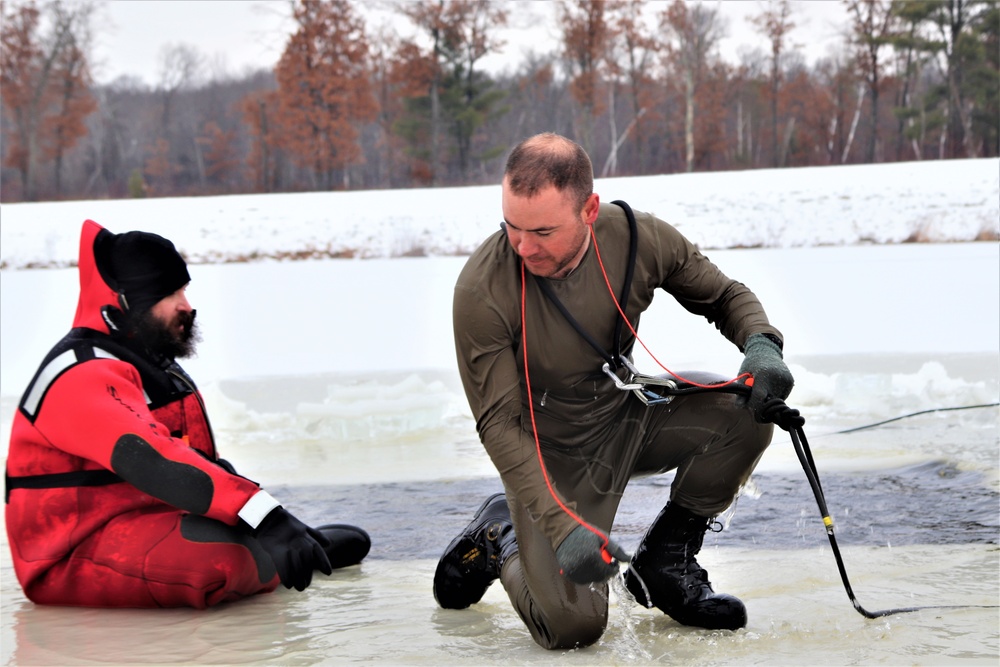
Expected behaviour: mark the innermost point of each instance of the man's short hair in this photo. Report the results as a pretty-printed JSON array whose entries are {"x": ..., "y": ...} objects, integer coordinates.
[{"x": 550, "y": 159}]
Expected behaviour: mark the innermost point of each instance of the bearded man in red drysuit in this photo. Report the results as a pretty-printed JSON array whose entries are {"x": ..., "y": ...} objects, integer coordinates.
[{"x": 115, "y": 494}]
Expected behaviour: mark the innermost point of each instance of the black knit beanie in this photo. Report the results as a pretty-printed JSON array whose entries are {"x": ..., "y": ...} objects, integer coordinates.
[{"x": 147, "y": 268}]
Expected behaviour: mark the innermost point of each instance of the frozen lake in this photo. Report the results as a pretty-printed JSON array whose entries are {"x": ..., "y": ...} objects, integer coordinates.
[{"x": 332, "y": 382}]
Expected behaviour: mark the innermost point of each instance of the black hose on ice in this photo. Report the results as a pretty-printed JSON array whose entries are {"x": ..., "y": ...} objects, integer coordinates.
[
  {"x": 914, "y": 414},
  {"x": 777, "y": 412},
  {"x": 790, "y": 420}
]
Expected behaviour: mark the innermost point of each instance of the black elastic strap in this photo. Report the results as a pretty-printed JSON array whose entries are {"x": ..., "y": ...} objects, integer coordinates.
[
  {"x": 543, "y": 284},
  {"x": 59, "y": 480},
  {"x": 633, "y": 249}
]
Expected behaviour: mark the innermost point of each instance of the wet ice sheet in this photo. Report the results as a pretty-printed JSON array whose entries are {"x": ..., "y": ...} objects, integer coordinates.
[
  {"x": 414, "y": 490},
  {"x": 383, "y": 613}
]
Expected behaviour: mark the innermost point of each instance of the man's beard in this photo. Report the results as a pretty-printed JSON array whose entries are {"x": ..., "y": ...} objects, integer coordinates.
[{"x": 160, "y": 340}]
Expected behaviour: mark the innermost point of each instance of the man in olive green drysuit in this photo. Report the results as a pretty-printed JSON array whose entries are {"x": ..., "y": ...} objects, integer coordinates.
[{"x": 593, "y": 436}]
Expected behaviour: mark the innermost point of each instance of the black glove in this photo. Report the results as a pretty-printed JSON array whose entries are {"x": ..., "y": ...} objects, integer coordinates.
[
  {"x": 582, "y": 560},
  {"x": 771, "y": 378},
  {"x": 295, "y": 548}
]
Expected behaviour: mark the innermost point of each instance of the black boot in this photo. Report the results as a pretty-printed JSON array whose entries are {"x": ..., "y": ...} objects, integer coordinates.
[
  {"x": 348, "y": 544},
  {"x": 473, "y": 559},
  {"x": 664, "y": 573}
]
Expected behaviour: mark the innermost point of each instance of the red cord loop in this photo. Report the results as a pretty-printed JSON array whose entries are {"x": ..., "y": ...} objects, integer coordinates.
[
  {"x": 534, "y": 430},
  {"x": 531, "y": 405},
  {"x": 621, "y": 312}
]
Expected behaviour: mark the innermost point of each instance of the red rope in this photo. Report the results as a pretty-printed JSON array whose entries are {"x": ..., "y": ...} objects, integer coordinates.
[
  {"x": 531, "y": 404},
  {"x": 621, "y": 312},
  {"x": 534, "y": 430}
]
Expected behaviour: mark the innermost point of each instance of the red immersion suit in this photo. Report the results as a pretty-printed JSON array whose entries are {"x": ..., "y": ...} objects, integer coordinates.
[{"x": 115, "y": 495}]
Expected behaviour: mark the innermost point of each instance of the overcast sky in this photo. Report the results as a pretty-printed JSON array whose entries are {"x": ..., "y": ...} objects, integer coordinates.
[{"x": 237, "y": 35}]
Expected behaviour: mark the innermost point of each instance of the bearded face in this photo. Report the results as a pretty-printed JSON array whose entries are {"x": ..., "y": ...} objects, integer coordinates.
[{"x": 173, "y": 336}]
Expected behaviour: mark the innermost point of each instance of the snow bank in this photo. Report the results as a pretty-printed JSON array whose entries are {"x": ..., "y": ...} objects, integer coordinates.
[{"x": 939, "y": 201}]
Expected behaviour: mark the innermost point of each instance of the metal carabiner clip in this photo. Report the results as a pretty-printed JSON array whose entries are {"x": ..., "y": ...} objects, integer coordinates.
[
  {"x": 624, "y": 386},
  {"x": 639, "y": 387}
]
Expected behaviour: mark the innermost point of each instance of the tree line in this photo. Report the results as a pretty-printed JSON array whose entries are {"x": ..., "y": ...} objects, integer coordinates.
[{"x": 641, "y": 85}]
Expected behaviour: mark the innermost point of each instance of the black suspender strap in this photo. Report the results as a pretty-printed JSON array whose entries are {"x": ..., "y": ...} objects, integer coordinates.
[
  {"x": 543, "y": 284},
  {"x": 59, "y": 480},
  {"x": 633, "y": 248}
]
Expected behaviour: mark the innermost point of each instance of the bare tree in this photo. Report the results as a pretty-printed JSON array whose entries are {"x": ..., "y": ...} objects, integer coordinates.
[
  {"x": 774, "y": 22},
  {"x": 71, "y": 82},
  {"x": 696, "y": 30},
  {"x": 630, "y": 59},
  {"x": 45, "y": 83},
  {"x": 179, "y": 71},
  {"x": 872, "y": 29},
  {"x": 952, "y": 18},
  {"x": 587, "y": 39}
]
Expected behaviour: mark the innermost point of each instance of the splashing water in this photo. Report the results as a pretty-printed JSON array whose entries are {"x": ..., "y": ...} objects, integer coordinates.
[{"x": 625, "y": 640}]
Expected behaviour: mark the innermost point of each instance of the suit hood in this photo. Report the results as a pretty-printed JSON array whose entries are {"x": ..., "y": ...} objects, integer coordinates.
[{"x": 97, "y": 288}]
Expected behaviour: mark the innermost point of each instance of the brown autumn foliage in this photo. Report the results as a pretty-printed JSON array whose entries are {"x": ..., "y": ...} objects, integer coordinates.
[
  {"x": 46, "y": 88},
  {"x": 222, "y": 160},
  {"x": 72, "y": 102},
  {"x": 448, "y": 100},
  {"x": 710, "y": 131},
  {"x": 159, "y": 169},
  {"x": 391, "y": 87},
  {"x": 635, "y": 57},
  {"x": 260, "y": 110},
  {"x": 587, "y": 38},
  {"x": 695, "y": 34},
  {"x": 324, "y": 89},
  {"x": 20, "y": 60},
  {"x": 417, "y": 73},
  {"x": 344, "y": 108},
  {"x": 809, "y": 112}
]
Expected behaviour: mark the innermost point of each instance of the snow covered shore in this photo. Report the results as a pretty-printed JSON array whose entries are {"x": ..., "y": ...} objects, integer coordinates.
[{"x": 940, "y": 201}]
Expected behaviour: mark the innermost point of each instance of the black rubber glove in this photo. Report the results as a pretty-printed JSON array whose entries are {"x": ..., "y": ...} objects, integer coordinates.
[
  {"x": 771, "y": 377},
  {"x": 581, "y": 558},
  {"x": 295, "y": 548}
]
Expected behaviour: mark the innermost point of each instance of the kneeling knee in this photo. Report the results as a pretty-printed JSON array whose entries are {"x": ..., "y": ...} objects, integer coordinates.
[{"x": 574, "y": 631}]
